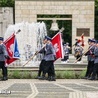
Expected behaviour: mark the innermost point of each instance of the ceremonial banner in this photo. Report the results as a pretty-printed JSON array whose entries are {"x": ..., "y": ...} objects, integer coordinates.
[
  {"x": 57, "y": 43},
  {"x": 81, "y": 40},
  {"x": 12, "y": 49}
]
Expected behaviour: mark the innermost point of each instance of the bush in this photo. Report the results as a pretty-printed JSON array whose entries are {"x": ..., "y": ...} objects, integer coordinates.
[
  {"x": 7, "y": 3},
  {"x": 18, "y": 74},
  {"x": 65, "y": 74}
]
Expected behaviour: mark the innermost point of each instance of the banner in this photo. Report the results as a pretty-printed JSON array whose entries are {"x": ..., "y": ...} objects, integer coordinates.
[
  {"x": 81, "y": 40},
  {"x": 12, "y": 49},
  {"x": 57, "y": 43}
]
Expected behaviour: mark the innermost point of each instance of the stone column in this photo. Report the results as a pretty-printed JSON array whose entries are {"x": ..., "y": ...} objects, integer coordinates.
[{"x": 6, "y": 18}]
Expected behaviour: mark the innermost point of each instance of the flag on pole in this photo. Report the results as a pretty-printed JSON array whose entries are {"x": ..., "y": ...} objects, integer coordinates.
[
  {"x": 57, "y": 43},
  {"x": 12, "y": 49},
  {"x": 81, "y": 40}
]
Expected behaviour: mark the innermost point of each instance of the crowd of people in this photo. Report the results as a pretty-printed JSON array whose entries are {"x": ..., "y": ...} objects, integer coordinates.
[
  {"x": 46, "y": 67},
  {"x": 92, "y": 54},
  {"x": 78, "y": 51}
]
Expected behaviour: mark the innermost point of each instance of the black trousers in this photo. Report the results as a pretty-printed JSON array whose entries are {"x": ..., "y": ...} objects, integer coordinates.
[
  {"x": 49, "y": 68},
  {"x": 41, "y": 67},
  {"x": 95, "y": 71},
  {"x": 4, "y": 69},
  {"x": 79, "y": 57},
  {"x": 65, "y": 58},
  {"x": 90, "y": 68}
]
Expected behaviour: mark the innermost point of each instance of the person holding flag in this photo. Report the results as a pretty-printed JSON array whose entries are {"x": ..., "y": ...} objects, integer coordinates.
[
  {"x": 3, "y": 57},
  {"x": 49, "y": 58}
]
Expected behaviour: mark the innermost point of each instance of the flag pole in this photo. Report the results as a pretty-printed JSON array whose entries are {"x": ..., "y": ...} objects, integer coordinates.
[
  {"x": 39, "y": 50},
  {"x": 82, "y": 55},
  {"x": 75, "y": 43},
  {"x": 61, "y": 30},
  {"x": 29, "y": 59},
  {"x": 32, "y": 57},
  {"x": 18, "y": 31},
  {"x": 12, "y": 36}
]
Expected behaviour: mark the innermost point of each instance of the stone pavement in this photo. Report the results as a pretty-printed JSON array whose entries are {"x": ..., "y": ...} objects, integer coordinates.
[{"x": 62, "y": 88}]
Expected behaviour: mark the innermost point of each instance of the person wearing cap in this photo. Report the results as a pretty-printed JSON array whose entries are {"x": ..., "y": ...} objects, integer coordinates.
[
  {"x": 76, "y": 42},
  {"x": 95, "y": 66},
  {"x": 66, "y": 49},
  {"x": 90, "y": 57},
  {"x": 50, "y": 56},
  {"x": 3, "y": 57}
]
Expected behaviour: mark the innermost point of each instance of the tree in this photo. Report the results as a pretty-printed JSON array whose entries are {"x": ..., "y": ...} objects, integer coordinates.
[
  {"x": 66, "y": 34},
  {"x": 7, "y": 3}
]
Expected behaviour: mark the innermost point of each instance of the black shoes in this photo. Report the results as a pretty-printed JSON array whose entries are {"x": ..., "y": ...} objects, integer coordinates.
[
  {"x": 52, "y": 79},
  {"x": 91, "y": 78},
  {"x": 49, "y": 78},
  {"x": 4, "y": 79},
  {"x": 86, "y": 77},
  {"x": 42, "y": 78},
  {"x": 38, "y": 77}
]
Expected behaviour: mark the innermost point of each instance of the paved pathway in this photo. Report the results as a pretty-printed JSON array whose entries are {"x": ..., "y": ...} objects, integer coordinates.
[{"x": 62, "y": 88}]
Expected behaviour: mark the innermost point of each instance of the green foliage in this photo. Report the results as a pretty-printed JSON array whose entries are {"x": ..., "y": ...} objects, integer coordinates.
[
  {"x": 7, "y": 3},
  {"x": 82, "y": 74},
  {"x": 96, "y": 19},
  {"x": 67, "y": 24},
  {"x": 18, "y": 74},
  {"x": 65, "y": 75}
]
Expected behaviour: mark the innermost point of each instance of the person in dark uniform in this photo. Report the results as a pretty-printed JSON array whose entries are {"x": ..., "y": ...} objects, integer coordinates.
[
  {"x": 90, "y": 55},
  {"x": 3, "y": 57},
  {"x": 95, "y": 68},
  {"x": 41, "y": 66},
  {"x": 66, "y": 50},
  {"x": 50, "y": 56}
]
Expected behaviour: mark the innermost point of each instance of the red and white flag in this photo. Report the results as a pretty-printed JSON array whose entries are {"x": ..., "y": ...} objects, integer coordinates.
[
  {"x": 57, "y": 43},
  {"x": 12, "y": 49},
  {"x": 81, "y": 40}
]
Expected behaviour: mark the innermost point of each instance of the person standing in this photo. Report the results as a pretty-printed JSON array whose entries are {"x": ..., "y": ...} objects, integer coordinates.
[
  {"x": 3, "y": 57},
  {"x": 91, "y": 58},
  {"x": 50, "y": 56},
  {"x": 42, "y": 64},
  {"x": 95, "y": 65},
  {"x": 66, "y": 50}
]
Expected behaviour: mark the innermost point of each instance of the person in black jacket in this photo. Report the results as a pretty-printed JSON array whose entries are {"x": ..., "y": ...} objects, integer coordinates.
[{"x": 3, "y": 57}]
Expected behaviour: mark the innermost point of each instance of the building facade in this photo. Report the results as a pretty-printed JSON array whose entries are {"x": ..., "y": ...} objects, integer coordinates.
[{"x": 82, "y": 12}]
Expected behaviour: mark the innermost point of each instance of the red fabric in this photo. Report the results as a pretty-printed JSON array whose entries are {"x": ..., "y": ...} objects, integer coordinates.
[
  {"x": 81, "y": 40},
  {"x": 57, "y": 43},
  {"x": 9, "y": 43}
]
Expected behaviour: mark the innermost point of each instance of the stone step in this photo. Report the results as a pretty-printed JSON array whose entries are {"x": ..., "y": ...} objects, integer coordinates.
[
  {"x": 70, "y": 65},
  {"x": 36, "y": 69},
  {"x": 32, "y": 63},
  {"x": 72, "y": 60}
]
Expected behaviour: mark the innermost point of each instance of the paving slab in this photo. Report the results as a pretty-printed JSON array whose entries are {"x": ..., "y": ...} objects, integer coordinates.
[{"x": 61, "y": 88}]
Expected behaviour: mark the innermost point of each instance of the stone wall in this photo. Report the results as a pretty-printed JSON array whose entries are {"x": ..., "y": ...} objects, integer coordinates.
[
  {"x": 6, "y": 18},
  {"x": 82, "y": 12}
]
